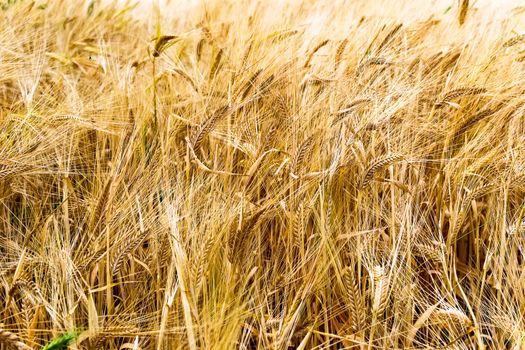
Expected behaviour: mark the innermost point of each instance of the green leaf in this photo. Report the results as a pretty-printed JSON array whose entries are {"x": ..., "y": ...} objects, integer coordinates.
[
  {"x": 91, "y": 7},
  {"x": 61, "y": 342}
]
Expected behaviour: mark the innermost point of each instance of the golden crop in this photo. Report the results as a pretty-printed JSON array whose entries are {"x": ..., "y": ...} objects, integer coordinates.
[{"x": 262, "y": 175}]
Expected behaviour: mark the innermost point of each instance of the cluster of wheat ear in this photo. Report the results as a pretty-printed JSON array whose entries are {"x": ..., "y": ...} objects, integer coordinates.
[{"x": 249, "y": 174}]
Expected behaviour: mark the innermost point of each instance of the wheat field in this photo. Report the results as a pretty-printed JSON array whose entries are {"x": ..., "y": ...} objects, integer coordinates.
[{"x": 252, "y": 174}]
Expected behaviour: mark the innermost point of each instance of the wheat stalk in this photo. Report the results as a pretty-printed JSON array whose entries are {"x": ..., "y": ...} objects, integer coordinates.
[
  {"x": 314, "y": 50},
  {"x": 355, "y": 299},
  {"x": 216, "y": 63},
  {"x": 378, "y": 164},
  {"x": 303, "y": 153},
  {"x": 389, "y": 37},
  {"x": 381, "y": 286},
  {"x": 343, "y": 113},
  {"x": 208, "y": 126},
  {"x": 127, "y": 247},
  {"x": 460, "y": 92},
  {"x": 515, "y": 40},
  {"x": 463, "y": 11},
  {"x": 339, "y": 53}
]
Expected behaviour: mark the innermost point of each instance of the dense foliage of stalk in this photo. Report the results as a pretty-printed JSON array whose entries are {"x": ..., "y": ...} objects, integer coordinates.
[{"x": 262, "y": 175}]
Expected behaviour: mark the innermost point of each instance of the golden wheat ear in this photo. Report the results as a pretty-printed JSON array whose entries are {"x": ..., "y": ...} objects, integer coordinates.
[
  {"x": 463, "y": 9},
  {"x": 12, "y": 339},
  {"x": 353, "y": 292},
  {"x": 378, "y": 164}
]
